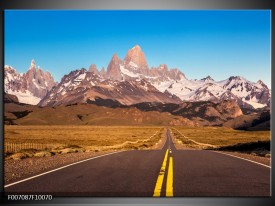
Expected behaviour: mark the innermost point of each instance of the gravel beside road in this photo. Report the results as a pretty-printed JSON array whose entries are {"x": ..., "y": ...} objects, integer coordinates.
[
  {"x": 20, "y": 169},
  {"x": 255, "y": 157},
  {"x": 16, "y": 170}
]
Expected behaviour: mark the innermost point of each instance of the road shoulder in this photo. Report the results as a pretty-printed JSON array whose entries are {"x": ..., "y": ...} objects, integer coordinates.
[{"x": 20, "y": 169}]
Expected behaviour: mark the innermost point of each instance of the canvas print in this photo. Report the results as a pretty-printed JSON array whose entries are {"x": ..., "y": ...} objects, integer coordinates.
[{"x": 137, "y": 103}]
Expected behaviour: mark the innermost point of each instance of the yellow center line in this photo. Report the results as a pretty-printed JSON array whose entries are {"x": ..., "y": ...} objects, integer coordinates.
[
  {"x": 169, "y": 182},
  {"x": 160, "y": 177}
]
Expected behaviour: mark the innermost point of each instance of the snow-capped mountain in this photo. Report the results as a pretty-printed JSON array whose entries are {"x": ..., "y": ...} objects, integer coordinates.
[
  {"x": 131, "y": 81},
  {"x": 83, "y": 86},
  {"x": 173, "y": 81},
  {"x": 237, "y": 88},
  {"x": 134, "y": 66},
  {"x": 29, "y": 87}
]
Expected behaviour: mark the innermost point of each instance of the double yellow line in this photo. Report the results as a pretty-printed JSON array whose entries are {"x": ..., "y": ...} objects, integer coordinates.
[{"x": 169, "y": 181}]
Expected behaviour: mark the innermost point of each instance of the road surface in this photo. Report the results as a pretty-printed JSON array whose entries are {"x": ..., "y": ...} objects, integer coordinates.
[{"x": 146, "y": 173}]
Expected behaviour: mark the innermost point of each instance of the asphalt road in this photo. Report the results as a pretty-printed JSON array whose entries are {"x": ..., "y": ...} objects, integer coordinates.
[{"x": 165, "y": 172}]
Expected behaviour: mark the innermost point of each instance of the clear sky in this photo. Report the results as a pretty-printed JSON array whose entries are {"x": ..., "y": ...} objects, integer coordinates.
[{"x": 199, "y": 43}]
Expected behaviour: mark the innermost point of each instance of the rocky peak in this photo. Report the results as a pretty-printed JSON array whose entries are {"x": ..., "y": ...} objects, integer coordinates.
[
  {"x": 163, "y": 67},
  {"x": 176, "y": 74},
  {"x": 135, "y": 58},
  {"x": 136, "y": 47},
  {"x": 237, "y": 81},
  {"x": 260, "y": 82},
  {"x": 208, "y": 78},
  {"x": 14, "y": 82},
  {"x": 238, "y": 78},
  {"x": 113, "y": 69},
  {"x": 39, "y": 83},
  {"x": 33, "y": 65},
  {"x": 39, "y": 71},
  {"x": 115, "y": 59},
  {"x": 9, "y": 69},
  {"x": 163, "y": 73},
  {"x": 48, "y": 74},
  {"x": 93, "y": 69},
  {"x": 102, "y": 72},
  {"x": 29, "y": 87}
]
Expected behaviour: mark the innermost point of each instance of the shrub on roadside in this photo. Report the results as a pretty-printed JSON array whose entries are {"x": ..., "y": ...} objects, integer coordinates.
[
  {"x": 43, "y": 154},
  {"x": 18, "y": 156}
]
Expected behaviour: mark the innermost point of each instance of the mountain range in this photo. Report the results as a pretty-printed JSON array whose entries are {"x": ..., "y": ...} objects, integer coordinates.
[
  {"x": 29, "y": 87},
  {"x": 131, "y": 81}
]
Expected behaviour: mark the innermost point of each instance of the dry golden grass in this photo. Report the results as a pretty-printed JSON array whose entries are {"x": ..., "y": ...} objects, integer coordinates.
[
  {"x": 88, "y": 137},
  {"x": 219, "y": 136}
]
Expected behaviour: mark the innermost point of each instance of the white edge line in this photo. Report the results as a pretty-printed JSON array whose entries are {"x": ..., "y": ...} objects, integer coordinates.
[
  {"x": 58, "y": 169},
  {"x": 243, "y": 159}
]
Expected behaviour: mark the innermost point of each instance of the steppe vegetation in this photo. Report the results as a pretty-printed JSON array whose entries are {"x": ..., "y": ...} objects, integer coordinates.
[
  {"x": 220, "y": 138},
  {"x": 69, "y": 139}
]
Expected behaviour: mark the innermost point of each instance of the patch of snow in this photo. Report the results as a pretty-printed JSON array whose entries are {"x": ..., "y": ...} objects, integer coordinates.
[
  {"x": 179, "y": 88},
  {"x": 9, "y": 76},
  {"x": 63, "y": 92},
  {"x": 81, "y": 77},
  {"x": 259, "y": 86},
  {"x": 27, "y": 97},
  {"x": 162, "y": 86},
  {"x": 127, "y": 72},
  {"x": 7, "y": 67},
  {"x": 34, "y": 82},
  {"x": 222, "y": 83},
  {"x": 254, "y": 99},
  {"x": 144, "y": 87},
  {"x": 149, "y": 77},
  {"x": 67, "y": 84},
  {"x": 204, "y": 96},
  {"x": 132, "y": 64},
  {"x": 214, "y": 89},
  {"x": 256, "y": 105}
]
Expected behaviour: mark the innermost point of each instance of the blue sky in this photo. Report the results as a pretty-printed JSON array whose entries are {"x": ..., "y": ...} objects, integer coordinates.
[{"x": 199, "y": 43}]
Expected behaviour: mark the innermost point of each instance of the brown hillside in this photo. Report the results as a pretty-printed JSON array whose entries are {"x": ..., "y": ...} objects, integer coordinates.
[
  {"x": 87, "y": 114},
  {"x": 256, "y": 121}
]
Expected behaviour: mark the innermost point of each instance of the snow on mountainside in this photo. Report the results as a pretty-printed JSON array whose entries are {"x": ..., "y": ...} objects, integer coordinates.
[
  {"x": 237, "y": 88},
  {"x": 29, "y": 87},
  {"x": 134, "y": 66},
  {"x": 255, "y": 94},
  {"x": 83, "y": 86}
]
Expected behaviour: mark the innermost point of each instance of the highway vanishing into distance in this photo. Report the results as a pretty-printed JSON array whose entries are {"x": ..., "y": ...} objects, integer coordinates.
[{"x": 145, "y": 173}]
